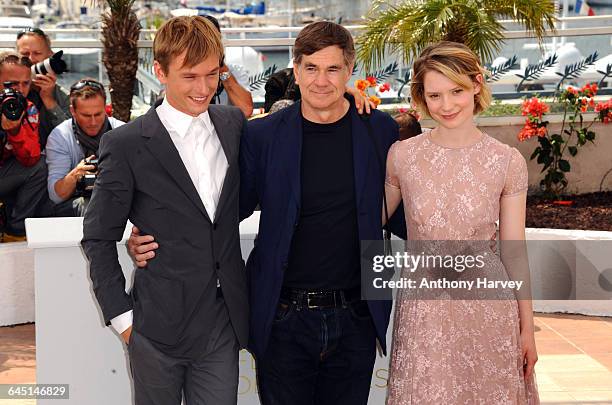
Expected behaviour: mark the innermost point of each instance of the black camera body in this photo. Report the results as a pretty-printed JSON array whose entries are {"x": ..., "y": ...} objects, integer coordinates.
[
  {"x": 85, "y": 185},
  {"x": 12, "y": 104}
]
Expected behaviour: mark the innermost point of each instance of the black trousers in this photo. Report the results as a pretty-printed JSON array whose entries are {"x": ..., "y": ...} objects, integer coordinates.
[
  {"x": 22, "y": 189},
  {"x": 318, "y": 356}
]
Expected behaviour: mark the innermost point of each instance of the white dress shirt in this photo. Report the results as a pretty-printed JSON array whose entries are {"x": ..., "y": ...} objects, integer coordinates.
[{"x": 198, "y": 145}]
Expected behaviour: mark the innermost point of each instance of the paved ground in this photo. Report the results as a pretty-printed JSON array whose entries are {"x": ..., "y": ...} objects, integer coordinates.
[{"x": 575, "y": 364}]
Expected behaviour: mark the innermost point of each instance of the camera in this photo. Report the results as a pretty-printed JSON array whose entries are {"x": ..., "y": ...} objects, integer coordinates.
[
  {"x": 54, "y": 64},
  {"x": 85, "y": 185},
  {"x": 12, "y": 104}
]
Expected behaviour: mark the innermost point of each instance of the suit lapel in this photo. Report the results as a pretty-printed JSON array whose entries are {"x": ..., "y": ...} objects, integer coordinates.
[
  {"x": 221, "y": 124},
  {"x": 362, "y": 150},
  {"x": 161, "y": 146},
  {"x": 291, "y": 151}
]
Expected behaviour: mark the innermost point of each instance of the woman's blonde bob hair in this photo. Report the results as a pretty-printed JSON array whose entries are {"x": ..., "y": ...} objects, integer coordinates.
[{"x": 458, "y": 63}]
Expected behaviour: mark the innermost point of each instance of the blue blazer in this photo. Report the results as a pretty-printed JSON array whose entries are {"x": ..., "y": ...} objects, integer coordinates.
[{"x": 270, "y": 165}]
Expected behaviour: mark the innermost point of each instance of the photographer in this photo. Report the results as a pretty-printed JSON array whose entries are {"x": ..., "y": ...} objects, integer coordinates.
[
  {"x": 22, "y": 171},
  {"x": 50, "y": 100},
  {"x": 72, "y": 147}
]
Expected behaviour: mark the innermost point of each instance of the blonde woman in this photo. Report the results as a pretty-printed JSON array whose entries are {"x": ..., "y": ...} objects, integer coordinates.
[{"x": 456, "y": 182}]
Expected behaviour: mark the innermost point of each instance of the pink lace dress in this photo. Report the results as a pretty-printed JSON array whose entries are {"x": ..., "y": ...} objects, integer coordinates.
[{"x": 456, "y": 351}]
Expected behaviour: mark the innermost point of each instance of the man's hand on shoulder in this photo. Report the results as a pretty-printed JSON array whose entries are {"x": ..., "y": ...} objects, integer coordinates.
[
  {"x": 141, "y": 248},
  {"x": 361, "y": 101}
]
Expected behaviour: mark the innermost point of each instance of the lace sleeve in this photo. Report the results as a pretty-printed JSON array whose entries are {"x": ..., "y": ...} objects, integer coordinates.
[
  {"x": 516, "y": 181},
  {"x": 391, "y": 178}
]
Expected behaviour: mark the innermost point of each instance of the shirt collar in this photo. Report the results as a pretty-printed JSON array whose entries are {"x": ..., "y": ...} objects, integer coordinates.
[{"x": 179, "y": 121}]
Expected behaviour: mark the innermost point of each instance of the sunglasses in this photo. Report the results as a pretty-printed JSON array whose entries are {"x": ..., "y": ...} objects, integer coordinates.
[
  {"x": 81, "y": 84},
  {"x": 36, "y": 31},
  {"x": 21, "y": 60}
]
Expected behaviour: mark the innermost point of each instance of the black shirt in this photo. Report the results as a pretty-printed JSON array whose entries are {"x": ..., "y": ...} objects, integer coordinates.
[{"x": 324, "y": 252}]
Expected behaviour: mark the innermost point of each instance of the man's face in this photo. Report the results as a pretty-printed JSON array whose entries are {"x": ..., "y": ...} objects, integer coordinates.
[
  {"x": 89, "y": 114},
  {"x": 33, "y": 47},
  {"x": 322, "y": 78},
  {"x": 190, "y": 89},
  {"x": 19, "y": 76}
]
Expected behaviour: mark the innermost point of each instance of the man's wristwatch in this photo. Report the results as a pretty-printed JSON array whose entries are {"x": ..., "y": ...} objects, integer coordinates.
[{"x": 224, "y": 76}]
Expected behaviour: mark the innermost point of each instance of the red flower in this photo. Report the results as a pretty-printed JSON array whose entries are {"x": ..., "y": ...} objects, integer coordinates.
[
  {"x": 371, "y": 80},
  {"x": 384, "y": 87},
  {"x": 534, "y": 108},
  {"x": 541, "y": 131},
  {"x": 361, "y": 85}
]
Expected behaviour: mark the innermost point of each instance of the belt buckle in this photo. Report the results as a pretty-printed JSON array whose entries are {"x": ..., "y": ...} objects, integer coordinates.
[{"x": 308, "y": 295}]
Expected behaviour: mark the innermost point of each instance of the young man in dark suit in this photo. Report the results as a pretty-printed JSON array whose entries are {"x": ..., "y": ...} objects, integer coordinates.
[{"x": 174, "y": 173}]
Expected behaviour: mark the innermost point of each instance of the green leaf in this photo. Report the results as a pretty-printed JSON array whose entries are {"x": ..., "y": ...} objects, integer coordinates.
[
  {"x": 542, "y": 158},
  {"x": 557, "y": 138},
  {"x": 590, "y": 136},
  {"x": 557, "y": 177},
  {"x": 535, "y": 153},
  {"x": 546, "y": 145},
  {"x": 573, "y": 150},
  {"x": 564, "y": 165}
]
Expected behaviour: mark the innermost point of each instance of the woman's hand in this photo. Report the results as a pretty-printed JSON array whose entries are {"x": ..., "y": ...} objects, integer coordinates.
[{"x": 529, "y": 353}]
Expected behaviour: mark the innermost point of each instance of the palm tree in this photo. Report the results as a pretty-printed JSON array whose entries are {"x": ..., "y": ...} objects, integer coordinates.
[
  {"x": 120, "y": 32},
  {"x": 409, "y": 27}
]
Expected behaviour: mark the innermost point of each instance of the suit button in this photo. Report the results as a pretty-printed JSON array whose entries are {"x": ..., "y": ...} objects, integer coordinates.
[
  {"x": 296, "y": 224},
  {"x": 217, "y": 265}
]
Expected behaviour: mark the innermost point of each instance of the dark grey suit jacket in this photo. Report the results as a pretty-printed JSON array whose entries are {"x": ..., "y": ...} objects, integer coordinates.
[{"x": 142, "y": 178}]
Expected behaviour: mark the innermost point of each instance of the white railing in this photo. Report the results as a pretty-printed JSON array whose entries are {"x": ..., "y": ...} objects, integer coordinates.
[{"x": 260, "y": 42}]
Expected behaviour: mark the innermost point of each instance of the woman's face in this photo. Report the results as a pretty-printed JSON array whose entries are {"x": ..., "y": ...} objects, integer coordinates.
[{"x": 449, "y": 104}]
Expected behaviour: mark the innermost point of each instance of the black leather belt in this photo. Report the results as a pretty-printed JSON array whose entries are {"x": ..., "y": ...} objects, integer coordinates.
[{"x": 314, "y": 299}]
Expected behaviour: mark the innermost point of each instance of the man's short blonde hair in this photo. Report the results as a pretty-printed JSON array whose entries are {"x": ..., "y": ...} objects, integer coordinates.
[
  {"x": 194, "y": 35},
  {"x": 455, "y": 61}
]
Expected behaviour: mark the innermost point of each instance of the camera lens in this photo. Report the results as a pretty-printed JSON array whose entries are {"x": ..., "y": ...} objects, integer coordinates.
[{"x": 12, "y": 109}]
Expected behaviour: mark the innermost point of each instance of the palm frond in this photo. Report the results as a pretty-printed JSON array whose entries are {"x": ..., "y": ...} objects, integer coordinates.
[
  {"x": 384, "y": 73},
  {"x": 498, "y": 71},
  {"x": 484, "y": 34},
  {"x": 406, "y": 28},
  {"x": 536, "y": 16},
  {"x": 575, "y": 69},
  {"x": 255, "y": 82},
  {"x": 404, "y": 81},
  {"x": 606, "y": 73},
  {"x": 535, "y": 71}
]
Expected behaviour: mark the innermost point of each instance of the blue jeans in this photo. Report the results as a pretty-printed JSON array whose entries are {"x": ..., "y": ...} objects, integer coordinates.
[{"x": 318, "y": 356}]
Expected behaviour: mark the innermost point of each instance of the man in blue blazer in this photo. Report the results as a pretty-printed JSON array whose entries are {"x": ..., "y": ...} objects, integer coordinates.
[{"x": 316, "y": 171}]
